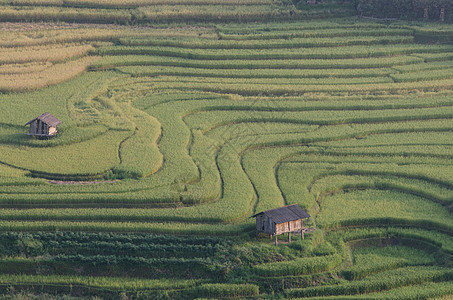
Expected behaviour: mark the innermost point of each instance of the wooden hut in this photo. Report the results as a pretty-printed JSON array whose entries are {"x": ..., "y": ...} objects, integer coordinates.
[
  {"x": 43, "y": 126},
  {"x": 286, "y": 219}
]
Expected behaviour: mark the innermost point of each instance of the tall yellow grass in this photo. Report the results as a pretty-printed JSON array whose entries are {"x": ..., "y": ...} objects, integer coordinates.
[
  {"x": 49, "y": 76},
  {"x": 24, "y": 68},
  {"x": 50, "y": 53},
  {"x": 22, "y": 38}
]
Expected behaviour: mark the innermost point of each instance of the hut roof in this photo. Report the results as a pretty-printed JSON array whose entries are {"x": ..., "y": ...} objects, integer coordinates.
[
  {"x": 46, "y": 118},
  {"x": 285, "y": 213}
]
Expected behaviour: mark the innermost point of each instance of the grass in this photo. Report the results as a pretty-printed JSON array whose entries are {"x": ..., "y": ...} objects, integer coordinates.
[
  {"x": 49, "y": 76},
  {"x": 376, "y": 259},
  {"x": 41, "y": 160},
  {"x": 384, "y": 281},
  {"x": 144, "y": 11},
  {"x": 54, "y": 53},
  {"x": 198, "y": 127}
]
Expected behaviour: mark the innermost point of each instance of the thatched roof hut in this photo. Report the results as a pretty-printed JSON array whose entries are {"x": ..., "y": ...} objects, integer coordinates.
[
  {"x": 281, "y": 220},
  {"x": 43, "y": 126}
]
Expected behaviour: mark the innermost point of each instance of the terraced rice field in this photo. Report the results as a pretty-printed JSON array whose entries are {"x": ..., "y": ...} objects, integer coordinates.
[{"x": 195, "y": 129}]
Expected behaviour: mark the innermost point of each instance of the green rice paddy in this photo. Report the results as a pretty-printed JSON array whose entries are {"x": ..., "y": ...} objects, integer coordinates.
[{"x": 176, "y": 134}]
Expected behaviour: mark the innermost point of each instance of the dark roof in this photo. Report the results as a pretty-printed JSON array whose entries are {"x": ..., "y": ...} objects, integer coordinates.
[
  {"x": 48, "y": 119},
  {"x": 285, "y": 214}
]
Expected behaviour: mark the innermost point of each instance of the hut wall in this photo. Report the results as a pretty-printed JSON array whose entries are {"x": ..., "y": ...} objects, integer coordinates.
[
  {"x": 290, "y": 226},
  {"x": 33, "y": 128},
  {"x": 270, "y": 225},
  {"x": 264, "y": 224},
  {"x": 52, "y": 130},
  {"x": 260, "y": 223},
  {"x": 40, "y": 127},
  {"x": 295, "y": 225},
  {"x": 45, "y": 129},
  {"x": 281, "y": 228}
]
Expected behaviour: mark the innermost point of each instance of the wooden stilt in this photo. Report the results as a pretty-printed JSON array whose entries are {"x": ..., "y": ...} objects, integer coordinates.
[
  {"x": 302, "y": 231},
  {"x": 276, "y": 240},
  {"x": 289, "y": 237}
]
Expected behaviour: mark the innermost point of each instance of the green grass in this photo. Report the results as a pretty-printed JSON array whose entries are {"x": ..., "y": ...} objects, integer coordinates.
[
  {"x": 144, "y": 71},
  {"x": 383, "y": 281},
  {"x": 42, "y": 160},
  {"x": 373, "y": 260},
  {"x": 200, "y": 126},
  {"x": 360, "y": 63},
  {"x": 95, "y": 282},
  {"x": 269, "y": 53},
  {"x": 143, "y": 12}
]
